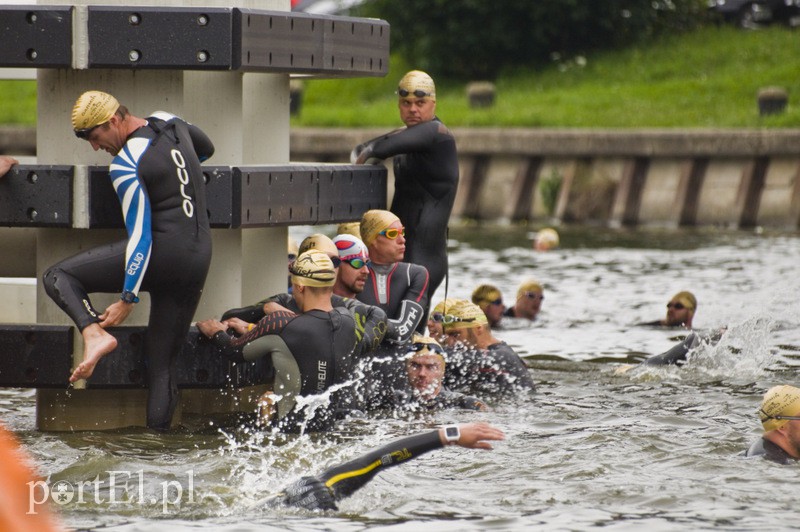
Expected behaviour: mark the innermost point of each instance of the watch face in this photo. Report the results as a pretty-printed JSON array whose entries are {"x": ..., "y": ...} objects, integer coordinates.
[{"x": 452, "y": 433}]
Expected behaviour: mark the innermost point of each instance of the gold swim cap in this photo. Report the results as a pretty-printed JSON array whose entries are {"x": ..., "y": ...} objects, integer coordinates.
[
  {"x": 485, "y": 294},
  {"x": 686, "y": 298},
  {"x": 313, "y": 268},
  {"x": 546, "y": 239},
  {"x": 779, "y": 401},
  {"x": 349, "y": 228},
  {"x": 424, "y": 345},
  {"x": 416, "y": 80},
  {"x": 444, "y": 305},
  {"x": 528, "y": 286},
  {"x": 375, "y": 221},
  {"x": 319, "y": 242},
  {"x": 464, "y": 315},
  {"x": 93, "y": 108}
]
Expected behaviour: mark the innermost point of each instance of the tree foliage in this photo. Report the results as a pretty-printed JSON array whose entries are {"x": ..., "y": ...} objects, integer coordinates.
[{"x": 476, "y": 39}]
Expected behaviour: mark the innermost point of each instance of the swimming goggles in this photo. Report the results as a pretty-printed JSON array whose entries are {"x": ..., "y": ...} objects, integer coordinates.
[
  {"x": 498, "y": 301},
  {"x": 336, "y": 261},
  {"x": 781, "y": 418},
  {"x": 676, "y": 306},
  {"x": 534, "y": 295},
  {"x": 416, "y": 347},
  {"x": 391, "y": 234},
  {"x": 438, "y": 317},
  {"x": 357, "y": 263},
  {"x": 419, "y": 93},
  {"x": 85, "y": 132}
]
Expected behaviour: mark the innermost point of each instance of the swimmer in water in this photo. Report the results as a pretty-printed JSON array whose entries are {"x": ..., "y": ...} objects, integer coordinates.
[
  {"x": 680, "y": 312},
  {"x": 321, "y": 492},
  {"x": 780, "y": 417},
  {"x": 489, "y": 298}
]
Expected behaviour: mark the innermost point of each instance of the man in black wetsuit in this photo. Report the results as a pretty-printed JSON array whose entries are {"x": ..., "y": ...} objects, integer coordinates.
[
  {"x": 425, "y": 366},
  {"x": 313, "y": 352},
  {"x": 680, "y": 312},
  {"x": 157, "y": 175},
  {"x": 322, "y": 491},
  {"x": 780, "y": 417},
  {"x": 530, "y": 296},
  {"x": 479, "y": 362},
  {"x": 425, "y": 173},
  {"x": 400, "y": 289}
]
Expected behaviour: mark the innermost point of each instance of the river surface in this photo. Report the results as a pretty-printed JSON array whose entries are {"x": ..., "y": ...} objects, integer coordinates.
[{"x": 650, "y": 448}]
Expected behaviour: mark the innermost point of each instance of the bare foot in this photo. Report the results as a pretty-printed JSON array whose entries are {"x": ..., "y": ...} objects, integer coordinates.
[{"x": 97, "y": 344}]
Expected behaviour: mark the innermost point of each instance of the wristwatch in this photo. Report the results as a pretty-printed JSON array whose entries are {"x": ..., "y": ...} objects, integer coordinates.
[
  {"x": 452, "y": 434},
  {"x": 129, "y": 297}
]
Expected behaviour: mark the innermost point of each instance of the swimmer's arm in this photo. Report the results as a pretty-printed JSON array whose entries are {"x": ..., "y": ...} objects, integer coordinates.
[
  {"x": 406, "y": 140},
  {"x": 346, "y": 479}
]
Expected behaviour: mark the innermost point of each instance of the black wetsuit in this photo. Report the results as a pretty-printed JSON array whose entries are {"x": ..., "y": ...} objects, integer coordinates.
[
  {"x": 497, "y": 370},
  {"x": 408, "y": 400},
  {"x": 322, "y": 492},
  {"x": 400, "y": 289},
  {"x": 770, "y": 451},
  {"x": 425, "y": 184},
  {"x": 159, "y": 181},
  {"x": 311, "y": 353}
]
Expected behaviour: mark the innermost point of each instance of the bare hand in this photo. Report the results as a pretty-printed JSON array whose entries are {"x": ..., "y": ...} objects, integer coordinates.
[
  {"x": 211, "y": 327},
  {"x": 237, "y": 324},
  {"x": 115, "y": 314},
  {"x": 474, "y": 435},
  {"x": 6, "y": 163}
]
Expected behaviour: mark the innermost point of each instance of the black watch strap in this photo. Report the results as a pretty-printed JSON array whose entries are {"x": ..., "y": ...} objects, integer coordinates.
[{"x": 129, "y": 297}]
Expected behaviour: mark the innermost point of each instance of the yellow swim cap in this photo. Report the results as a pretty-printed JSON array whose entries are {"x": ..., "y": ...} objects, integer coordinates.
[
  {"x": 546, "y": 239},
  {"x": 319, "y": 242},
  {"x": 416, "y": 80},
  {"x": 687, "y": 299},
  {"x": 528, "y": 286},
  {"x": 781, "y": 400},
  {"x": 444, "y": 305},
  {"x": 424, "y": 345},
  {"x": 349, "y": 228},
  {"x": 375, "y": 221},
  {"x": 464, "y": 315},
  {"x": 93, "y": 108},
  {"x": 313, "y": 268},
  {"x": 485, "y": 294}
]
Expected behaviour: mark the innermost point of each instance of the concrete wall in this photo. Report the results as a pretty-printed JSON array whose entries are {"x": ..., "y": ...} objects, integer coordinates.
[{"x": 732, "y": 178}]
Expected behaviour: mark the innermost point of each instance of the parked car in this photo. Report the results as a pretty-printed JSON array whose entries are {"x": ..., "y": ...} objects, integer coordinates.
[{"x": 756, "y": 13}]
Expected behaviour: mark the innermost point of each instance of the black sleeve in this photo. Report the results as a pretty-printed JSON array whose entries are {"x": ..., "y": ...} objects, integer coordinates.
[
  {"x": 675, "y": 355},
  {"x": 412, "y": 139},
  {"x": 203, "y": 146},
  {"x": 345, "y": 479}
]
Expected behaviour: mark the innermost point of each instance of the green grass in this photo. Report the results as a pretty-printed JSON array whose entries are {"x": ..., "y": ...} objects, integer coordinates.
[{"x": 708, "y": 78}]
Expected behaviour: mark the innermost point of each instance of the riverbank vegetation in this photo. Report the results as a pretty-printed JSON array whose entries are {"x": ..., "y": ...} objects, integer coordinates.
[{"x": 709, "y": 77}]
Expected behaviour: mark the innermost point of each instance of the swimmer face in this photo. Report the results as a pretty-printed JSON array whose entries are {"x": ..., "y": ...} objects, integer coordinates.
[
  {"x": 107, "y": 137},
  {"x": 529, "y": 304},
  {"x": 494, "y": 311},
  {"x": 461, "y": 336},
  {"x": 425, "y": 374},
  {"x": 792, "y": 433},
  {"x": 415, "y": 111},
  {"x": 435, "y": 329},
  {"x": 385, "y": 250},
  {"x": 678, "y": 314},
  {"x": 352, "y": 279}
]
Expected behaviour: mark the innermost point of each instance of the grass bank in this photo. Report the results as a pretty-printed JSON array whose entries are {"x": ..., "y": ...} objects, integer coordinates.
[{"x": 708, "y": 78}]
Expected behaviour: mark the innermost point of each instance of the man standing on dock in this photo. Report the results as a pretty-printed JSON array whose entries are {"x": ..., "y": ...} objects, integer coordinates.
[{"x": 425, "y": 173}]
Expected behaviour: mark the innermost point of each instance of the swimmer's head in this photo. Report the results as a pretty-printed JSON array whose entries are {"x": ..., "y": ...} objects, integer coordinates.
[
  {"x": 529, "y": 287},
  {"x": 91, "y": 109},
  {"x": 313, "y": 268},
  {"x": 463, "y": 315},
  {"x": 779, "y": 401},
  {"x": 686, "y": 299},
  {"x": 416, "y": 84},
  {"x": 373, "y": 222},
  {"x": 319, "y": 242},
  {"x": 546, "y": 239},
  {"x": 349, "y": 228},
  {"x": 350, "y": 247},
  {"x": 424, "y": 345},
  {"x": 487, "y": 294}
]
